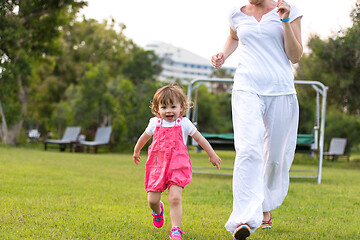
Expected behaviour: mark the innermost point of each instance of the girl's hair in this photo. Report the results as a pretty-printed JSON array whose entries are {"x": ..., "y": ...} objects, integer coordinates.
[{"x": 169, "y": 94}]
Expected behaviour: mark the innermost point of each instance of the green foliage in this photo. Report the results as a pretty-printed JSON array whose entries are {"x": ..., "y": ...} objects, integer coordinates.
[
  {"x": 84, "y": 44},
  {"x": 307, "y": 106},
  {"x": 101, "y": 78},
  {"x": 336, "y": 63},
  {"x": 343, "y": 125},
  {"x": 132, "y": 112},
  {"x": 93, "y": 104},
  {"x": 142, "y": 65},
  {"x": 222, "y": 73},
  {"x": 29, "y": 31},
  {"x": 214, "y": 111}
]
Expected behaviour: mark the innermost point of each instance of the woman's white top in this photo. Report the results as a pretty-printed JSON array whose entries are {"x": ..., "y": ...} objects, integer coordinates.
[{"x": 263, "y": 67}]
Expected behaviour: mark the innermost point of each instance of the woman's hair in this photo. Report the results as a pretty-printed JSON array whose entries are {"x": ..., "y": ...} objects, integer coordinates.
[{"x": 169, "y": 94}]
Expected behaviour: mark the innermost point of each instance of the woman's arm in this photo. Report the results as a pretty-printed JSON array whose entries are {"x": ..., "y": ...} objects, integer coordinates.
[
  {"x": 230, "y": 46},
  {"x": 292, "y": 33},
  {"x": 292, "y": 39}
]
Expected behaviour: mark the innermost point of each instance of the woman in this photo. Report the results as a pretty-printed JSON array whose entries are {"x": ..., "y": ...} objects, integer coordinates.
[{"x": 264, "y": 107}]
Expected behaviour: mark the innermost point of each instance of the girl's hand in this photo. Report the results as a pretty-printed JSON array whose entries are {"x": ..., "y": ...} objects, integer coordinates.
[
  {"x": 218, "y": 60},
  {"x": 136, "y": 158},
  {"x": 283, "y": 9},
  {"x": 216, "y": 161}
]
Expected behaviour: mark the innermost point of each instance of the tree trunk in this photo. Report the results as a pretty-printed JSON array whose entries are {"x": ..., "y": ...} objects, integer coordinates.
[
  {"x": 14, "y": 132},
  {"x": 3, "y": 129},
  {"x": 10, "y": 134}
]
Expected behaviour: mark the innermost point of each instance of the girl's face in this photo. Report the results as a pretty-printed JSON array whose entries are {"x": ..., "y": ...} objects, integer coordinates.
[{"x": 170, "y": 112}]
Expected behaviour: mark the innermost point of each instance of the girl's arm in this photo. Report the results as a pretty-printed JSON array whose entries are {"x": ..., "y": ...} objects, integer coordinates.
[
  {"x": 144, "y": 138},
  {"x": 230, "y": 46},
  {"x": 213, "y": 157}
]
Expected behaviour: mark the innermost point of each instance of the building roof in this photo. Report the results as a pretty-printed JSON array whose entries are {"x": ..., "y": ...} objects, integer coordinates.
[
  {"x": 179, "y": 63},
  {"x": 176, "y": 54}
]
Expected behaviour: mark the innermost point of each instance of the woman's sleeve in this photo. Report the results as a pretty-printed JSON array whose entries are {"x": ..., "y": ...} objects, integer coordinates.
[
  {"x": 294, "y": 13},
  {"x": 231, "y": 19}
]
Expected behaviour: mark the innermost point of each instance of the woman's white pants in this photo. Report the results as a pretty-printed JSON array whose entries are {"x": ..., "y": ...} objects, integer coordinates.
[{"x": 265, "y": 132}]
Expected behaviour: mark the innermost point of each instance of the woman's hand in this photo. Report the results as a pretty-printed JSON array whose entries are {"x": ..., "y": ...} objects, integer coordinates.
[
  {"x": 218, "y": 60},
  {"x": 283, "y": 9}
]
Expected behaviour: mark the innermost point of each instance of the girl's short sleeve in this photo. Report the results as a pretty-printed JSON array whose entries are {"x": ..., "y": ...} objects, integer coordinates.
[
  {"x": 188, "y": 127},
  {"x": 150, "y": 129}
]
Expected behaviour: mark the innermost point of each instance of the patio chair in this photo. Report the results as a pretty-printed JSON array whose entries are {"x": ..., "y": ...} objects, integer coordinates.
[
  {"x": 337, "y": 149},
  {"x": 102, "y": 138},
  {"x": 70, "y": 137}
]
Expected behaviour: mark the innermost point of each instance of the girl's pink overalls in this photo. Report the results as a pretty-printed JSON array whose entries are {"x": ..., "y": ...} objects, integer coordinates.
[{"x": 168, "y": 162}]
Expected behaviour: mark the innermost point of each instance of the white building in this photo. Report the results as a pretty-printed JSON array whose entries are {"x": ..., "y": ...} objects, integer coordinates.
[{"x": 179, "y": 63}]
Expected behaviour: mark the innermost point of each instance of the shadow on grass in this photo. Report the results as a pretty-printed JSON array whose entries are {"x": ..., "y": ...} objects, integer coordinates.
[{"x": 303, "y": 180}]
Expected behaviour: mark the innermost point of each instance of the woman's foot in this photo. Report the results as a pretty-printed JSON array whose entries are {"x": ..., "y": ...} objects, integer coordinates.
[
  {"x": 242, "y": 232},
  {"x": 267, "y": 221}
]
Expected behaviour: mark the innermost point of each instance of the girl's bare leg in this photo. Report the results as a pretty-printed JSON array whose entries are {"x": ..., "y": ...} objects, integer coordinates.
[
  {"x": 154, "y": 201},
  {"x": 175, "y": 193}
]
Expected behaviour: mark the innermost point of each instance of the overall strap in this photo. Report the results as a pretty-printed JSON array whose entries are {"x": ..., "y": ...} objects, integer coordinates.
[
  {"x": 178, "y": 121},
  {"x": 159, "y": 121}
]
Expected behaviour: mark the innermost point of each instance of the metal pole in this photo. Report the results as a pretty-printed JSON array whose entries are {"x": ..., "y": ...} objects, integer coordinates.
[
  {"x": 315, "y": 85},
  {"x": 322, "y": 132}
]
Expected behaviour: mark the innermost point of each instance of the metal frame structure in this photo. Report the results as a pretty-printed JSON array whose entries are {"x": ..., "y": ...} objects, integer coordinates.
[{"x": 319, "y": 128}]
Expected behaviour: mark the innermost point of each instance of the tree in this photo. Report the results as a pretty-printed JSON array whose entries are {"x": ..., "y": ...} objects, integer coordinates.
[
  {"x": 87, "y": 51},
  {"x": 131, "y": 112},
  {"x": 221, "y": 73},
  {"x": 336, "y": 63},
  {"x": 93, "y": 105},
  {"x": 85, "y": 44},
  {"x": 212, "y": 110},
  {"x": 96, "y": 57},
  {"x": 29, "y": 31},
  {"x": 143, "y": 65}
]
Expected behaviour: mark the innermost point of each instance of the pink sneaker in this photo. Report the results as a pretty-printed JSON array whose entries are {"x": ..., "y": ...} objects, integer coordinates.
[
  {"x": 158, "y": 218},
  {"x": 176, "y": 233}
]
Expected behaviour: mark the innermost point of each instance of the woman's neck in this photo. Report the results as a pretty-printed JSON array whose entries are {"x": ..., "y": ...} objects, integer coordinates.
[{"x": 259, "y": 8}]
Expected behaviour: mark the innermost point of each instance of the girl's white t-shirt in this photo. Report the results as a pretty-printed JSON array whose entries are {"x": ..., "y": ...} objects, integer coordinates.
[
  {"x": 263, "y": 67},
  {"x": 187, "y": 127}
]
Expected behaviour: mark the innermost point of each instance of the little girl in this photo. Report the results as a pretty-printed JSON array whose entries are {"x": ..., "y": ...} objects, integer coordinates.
[{"x": 168, "y": 165}]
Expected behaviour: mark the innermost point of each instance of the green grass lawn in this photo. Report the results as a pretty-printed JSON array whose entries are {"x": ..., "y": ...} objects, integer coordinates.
[{"x": 62, "y": 195}]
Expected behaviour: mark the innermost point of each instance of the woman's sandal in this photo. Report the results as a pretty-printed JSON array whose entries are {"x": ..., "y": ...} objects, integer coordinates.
[
  {"x": 266, "y": 224},
  {"x": 242, "y": 232}
]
